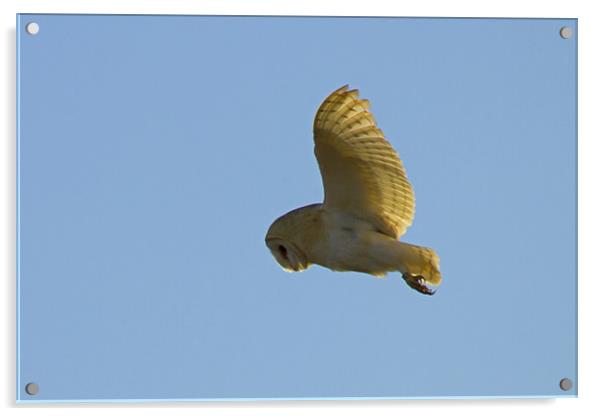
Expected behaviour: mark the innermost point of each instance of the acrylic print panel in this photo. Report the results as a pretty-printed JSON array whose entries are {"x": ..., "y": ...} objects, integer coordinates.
[{"x": 154, "y": 152}]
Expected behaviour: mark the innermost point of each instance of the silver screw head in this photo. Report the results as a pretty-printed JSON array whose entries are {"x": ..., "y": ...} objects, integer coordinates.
[
  {"x": 566, "y": 384},
  {"x": 32, "y": 28},
  {"x": 566, "y": 32},
  {"x": 32, "y": 389}
]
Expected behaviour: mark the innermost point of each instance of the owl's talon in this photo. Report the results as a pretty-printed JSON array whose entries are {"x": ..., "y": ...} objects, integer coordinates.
[{"x": 418, "y": 283}]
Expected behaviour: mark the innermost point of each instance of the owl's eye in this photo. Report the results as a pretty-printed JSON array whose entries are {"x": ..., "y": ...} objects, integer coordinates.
[{"x": 282, "y": 250}]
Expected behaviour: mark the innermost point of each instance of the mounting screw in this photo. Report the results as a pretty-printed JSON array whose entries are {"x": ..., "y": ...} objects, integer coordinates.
[
  {"x": 32, "y": 28},
  {"x": 566, "y": 32},
  {"x": 32, "y": 389},
  {"x": 566, "y": 384}
]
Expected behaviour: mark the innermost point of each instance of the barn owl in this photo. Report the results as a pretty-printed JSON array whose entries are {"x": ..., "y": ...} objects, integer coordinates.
[{"x": 368, "y": 203}]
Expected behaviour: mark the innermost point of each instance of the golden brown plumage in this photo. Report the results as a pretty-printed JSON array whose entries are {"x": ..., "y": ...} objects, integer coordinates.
[{"x": 368, "y": 203}]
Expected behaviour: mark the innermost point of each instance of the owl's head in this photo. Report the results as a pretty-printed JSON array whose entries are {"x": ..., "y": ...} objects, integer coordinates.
[{"x": 285, "y": 238}]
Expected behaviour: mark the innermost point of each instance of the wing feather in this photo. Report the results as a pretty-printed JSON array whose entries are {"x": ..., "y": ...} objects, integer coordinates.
[{"x": 361, "y": 172}]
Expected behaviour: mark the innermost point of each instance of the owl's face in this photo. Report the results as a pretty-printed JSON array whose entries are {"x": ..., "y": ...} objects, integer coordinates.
[
  {"x": 287, "y": 237},
  {"x": 288, "y": 256}
]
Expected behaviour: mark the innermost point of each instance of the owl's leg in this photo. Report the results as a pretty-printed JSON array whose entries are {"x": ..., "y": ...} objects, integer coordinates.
[{"x": 418, "y": 265}]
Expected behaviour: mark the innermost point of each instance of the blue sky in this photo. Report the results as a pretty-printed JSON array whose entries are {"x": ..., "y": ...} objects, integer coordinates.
[{"x": 156, "y": 151}]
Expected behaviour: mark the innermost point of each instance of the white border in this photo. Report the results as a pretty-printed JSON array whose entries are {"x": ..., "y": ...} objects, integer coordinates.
[{"x": 590, "y": 33}]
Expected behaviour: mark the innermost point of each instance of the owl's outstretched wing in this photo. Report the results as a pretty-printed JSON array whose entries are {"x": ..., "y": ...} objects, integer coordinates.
[{"x": 361, "y": 172}]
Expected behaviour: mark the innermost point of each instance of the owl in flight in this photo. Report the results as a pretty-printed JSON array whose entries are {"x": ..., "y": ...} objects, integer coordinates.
[{"x": 368, "y": 203}]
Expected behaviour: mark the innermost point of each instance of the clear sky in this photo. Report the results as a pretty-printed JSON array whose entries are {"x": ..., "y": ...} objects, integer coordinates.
[{"x": 156, "y": 151}]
